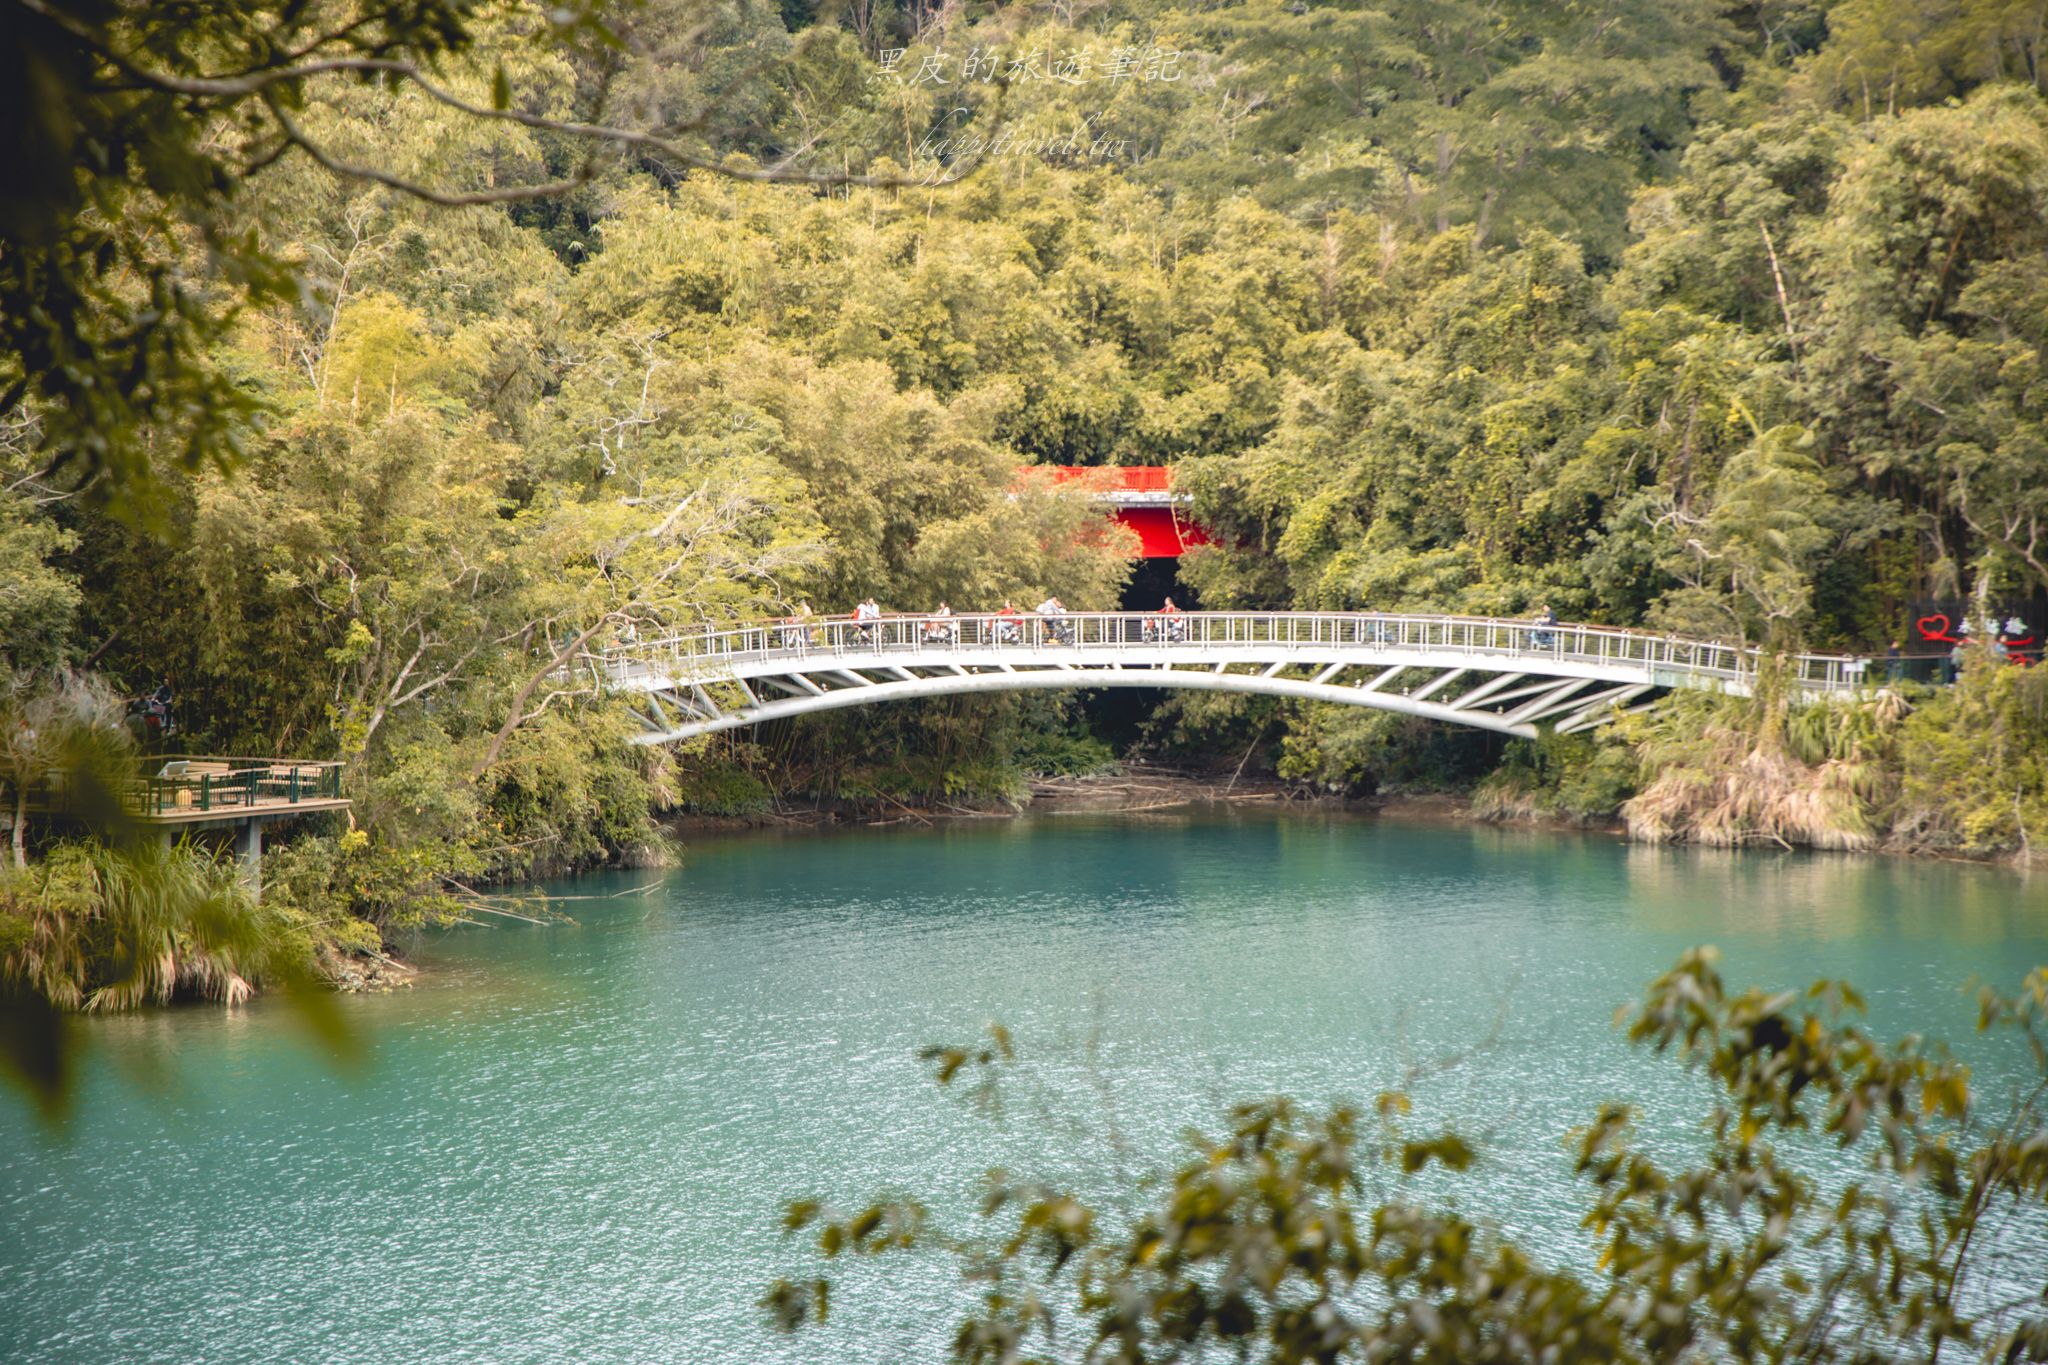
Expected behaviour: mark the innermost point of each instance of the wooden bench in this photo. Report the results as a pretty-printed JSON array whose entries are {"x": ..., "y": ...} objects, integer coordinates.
[{"x": 188, "y": 774}]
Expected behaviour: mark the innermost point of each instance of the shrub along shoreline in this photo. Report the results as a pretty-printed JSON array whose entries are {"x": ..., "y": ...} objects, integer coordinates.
[{"x": 1958, "y": 772}]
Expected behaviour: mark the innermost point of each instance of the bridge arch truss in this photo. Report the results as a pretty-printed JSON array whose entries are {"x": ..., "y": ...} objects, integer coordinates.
[{"x": 1511, "y": 677}]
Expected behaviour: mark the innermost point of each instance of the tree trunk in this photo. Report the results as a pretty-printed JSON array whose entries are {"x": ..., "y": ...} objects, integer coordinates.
[{"x": 525, "y": 694}]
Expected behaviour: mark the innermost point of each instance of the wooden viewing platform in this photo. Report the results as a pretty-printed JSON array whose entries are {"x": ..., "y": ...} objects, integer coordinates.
[
  {"x": 202, "y": 789},
  {"x": 180, "y": 793}
]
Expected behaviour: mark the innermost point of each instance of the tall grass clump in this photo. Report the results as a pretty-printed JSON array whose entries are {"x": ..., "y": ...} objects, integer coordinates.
[
  {"x": 98, "y": 928},
  {"x": 1731, "y": 772}
]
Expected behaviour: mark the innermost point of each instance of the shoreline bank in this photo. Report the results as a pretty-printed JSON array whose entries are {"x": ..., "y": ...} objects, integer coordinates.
[
  {"x": 1137, "y": 789},
  {"x": 1133, "y": 789}
]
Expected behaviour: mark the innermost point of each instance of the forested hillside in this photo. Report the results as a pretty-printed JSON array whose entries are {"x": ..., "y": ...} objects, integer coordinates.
[{"x": 1722, "y": 318}]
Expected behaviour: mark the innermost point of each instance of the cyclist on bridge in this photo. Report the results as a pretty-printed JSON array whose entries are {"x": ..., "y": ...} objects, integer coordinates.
[
  {"x": 1170, "y": 626},
  {"x": 865, "y": 616},
  {"x": 1052, "y": 609},
  {"x": 1003, "y": 630}
]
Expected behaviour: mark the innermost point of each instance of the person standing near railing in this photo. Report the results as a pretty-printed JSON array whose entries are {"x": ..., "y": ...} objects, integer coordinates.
[
  {"x": 796, "y": 628},
  {"x": 1542, "y": 638}
]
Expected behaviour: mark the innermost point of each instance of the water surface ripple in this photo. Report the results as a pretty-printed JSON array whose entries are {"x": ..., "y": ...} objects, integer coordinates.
[{"x": 572, "y": 1143}]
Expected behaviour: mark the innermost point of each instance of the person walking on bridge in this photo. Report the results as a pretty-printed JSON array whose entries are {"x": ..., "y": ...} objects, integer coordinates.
[{"x": 796, "y": 632}]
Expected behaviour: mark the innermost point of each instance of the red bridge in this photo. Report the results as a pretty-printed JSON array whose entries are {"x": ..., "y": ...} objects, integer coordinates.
[{"x": 1144, "y": 500}]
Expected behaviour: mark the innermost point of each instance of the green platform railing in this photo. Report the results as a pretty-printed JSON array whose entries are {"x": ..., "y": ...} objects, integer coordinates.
[{"x": 174, "y": 785}]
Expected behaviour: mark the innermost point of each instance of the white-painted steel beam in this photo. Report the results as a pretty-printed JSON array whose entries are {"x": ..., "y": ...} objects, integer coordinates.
[
  {"x": 1486, "y": 689},
  {"x": 1026, "y": 681},
  {"x": 1438, "y": 684},
  {"x": 1585, "y": 706},
  {"x": 1604, "y": 708},
  {"x": 1529, "y": 711}
]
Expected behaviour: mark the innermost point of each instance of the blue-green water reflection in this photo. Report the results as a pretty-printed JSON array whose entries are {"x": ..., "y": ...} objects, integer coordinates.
[{"x": 571, "y": 1143}]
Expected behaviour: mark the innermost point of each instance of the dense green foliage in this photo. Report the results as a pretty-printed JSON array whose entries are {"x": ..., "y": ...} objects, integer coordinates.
[
  {"x": 1295, "y": 1236},
  {"x": 366, "y": 398},
  {"x": 1959, "y": 770}
]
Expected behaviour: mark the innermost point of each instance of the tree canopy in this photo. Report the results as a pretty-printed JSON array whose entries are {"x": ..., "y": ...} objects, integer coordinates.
[{"x": 366, "y": 366}]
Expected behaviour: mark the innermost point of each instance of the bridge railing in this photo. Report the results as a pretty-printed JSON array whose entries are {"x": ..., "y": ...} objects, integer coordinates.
[{"x": 707, "y": 654}]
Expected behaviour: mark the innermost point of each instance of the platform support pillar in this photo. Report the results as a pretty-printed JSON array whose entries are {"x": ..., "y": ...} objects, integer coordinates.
[{"x": 249, "y": 853}]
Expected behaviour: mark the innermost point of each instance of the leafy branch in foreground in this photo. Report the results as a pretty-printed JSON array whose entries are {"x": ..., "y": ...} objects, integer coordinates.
[
  {"x": 1296, "y": 1237},
  {"x": 130, "y": 130}
]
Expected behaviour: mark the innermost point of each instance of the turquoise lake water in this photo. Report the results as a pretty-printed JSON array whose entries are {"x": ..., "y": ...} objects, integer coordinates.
[{"x": 572, "y": 1143}]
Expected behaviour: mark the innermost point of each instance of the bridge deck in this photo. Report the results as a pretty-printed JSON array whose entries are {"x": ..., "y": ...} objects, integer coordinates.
[{"x": 1496, "y": 674}]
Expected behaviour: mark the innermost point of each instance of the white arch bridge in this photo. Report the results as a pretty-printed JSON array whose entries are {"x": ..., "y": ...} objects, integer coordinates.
[{"x": 1508, "y": 676}]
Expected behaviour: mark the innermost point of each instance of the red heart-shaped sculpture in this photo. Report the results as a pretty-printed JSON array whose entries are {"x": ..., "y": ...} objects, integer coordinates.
[{"x": 1934, "y": 627}]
